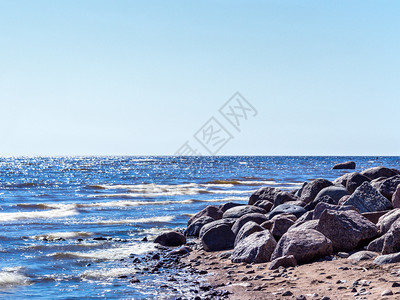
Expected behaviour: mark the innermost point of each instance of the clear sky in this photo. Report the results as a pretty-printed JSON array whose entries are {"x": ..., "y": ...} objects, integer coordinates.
[{"x": 141, "y": 77}]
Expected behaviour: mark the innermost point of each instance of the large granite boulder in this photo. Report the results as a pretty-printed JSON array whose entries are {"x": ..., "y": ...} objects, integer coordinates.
[
  {"x": 367, "y": 199},
  {"x": 311, "y": 189},
  {"x": 296, "y": 210},
  {"x": 396, "y": 198},
  {"x": 387, "y": 259},
  {"x": 389, "y": 186},
  {"x": 284, "y": 261},
  {"x": 264, "y": 204},
  {"x": 264, "y": 193},
  {"x": 170, "y": 239},
  {"x": 376, "y": 172},
  {"x": 342, "y": 180},
  {"x": 283, "y": 197},
  {"x": 321, "y": 207},
  {"x": 210, "y": 211},
  {"x": 304, "y": 245},
  {"x": 386, "y": 221},
  {"x": 224, "y": 207},
  {"x": 311, "y": 224},
  {"x": 239, "y": 211},
  {"x": 256, "y": 248},
  {"x": 325, "y": 199},
  {"x": 354, "y": 181},
  {"x": 246, "y": 230},
  {"x": 281, "y": 224},
  {"x": 226, "y": 221},
  {"x": 377, "y": 244},
  {"x": 345, "y": 165},
  {"x": 254, "y": 217},
  {"x": 346, "y": 229},
  {"x": 363, "y": 255},
  {"x": 218, "y": 238},
  {"x": 335, "y": 192},
  {"x": 391, "y": 243},
  {"x": 195, "y": 227}
]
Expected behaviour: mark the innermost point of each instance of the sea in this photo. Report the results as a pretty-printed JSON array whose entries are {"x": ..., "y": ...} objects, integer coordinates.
[{"x": 70, "y": 225}]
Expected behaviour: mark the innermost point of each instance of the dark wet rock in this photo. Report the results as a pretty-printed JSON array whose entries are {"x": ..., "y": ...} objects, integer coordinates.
[
  {"x": 325, "y": 199},
  {"x": 387, "y": 259},
  {"x": 224, "y": 207},
  {"x": 210, "y": 211},
  {"x": 376, "y": 245},
  {"x": 226, "y": 221},
  {"x": 296, "y": 210},
  {"x": 367, "y": 199},
  {"x": 246, "y": 230},
  {"x": 345, "y": 165},
  {"x": 239, "y": 211},
  {"x": 386, "y": 221},
  {"x": 363, "y": 255},
  {"x": 311, "y": 189},
  {"x": 219, "y": 237},
  {"x": 391, "y": 243},
  {"x": 264, "y": 193},
  {"x": 396, "y": 198},
  {"x": 195, "y": 227},
  {"x": 376, "y": 172},
  {"x": 134, "y": 280},
  {"x": 304, "y": 245},
  {"x": 179, "y": 251},
  {"x": 256, "y": 248},
  {"x": 342, "y": 180},
  {"x": 281, "y": 224},
  {"x": 300, "y": 190},
  {"x": 335, "y": 192},
  {"x": 264, "y": 204},
  {"x": 354, "y": 181},
  {"x": 311, "y": 224},
  {"x": 321, "y": 207},
  {"x": 389, "y": 186},
  {"x": 283, "y": 197},
  {"x": 170, "y": 239},
  {"x": 285, "y": 261},
  {"x": 346, "y": 229},
  {"x": 253, "y": 217},
  {"x": 375, "y": 215}
]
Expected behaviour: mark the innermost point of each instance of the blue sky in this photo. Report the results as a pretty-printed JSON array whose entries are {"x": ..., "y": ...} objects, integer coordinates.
[{"x": 141, "y": 77}]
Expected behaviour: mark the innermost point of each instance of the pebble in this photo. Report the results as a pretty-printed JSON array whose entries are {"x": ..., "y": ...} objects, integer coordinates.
[
  {"x": 387, "y": 293},
  {"x": 343, "y": 254},
  {"x": 287, "y": 293},
  {"x": 301, "y": 297},
  {"x": 395, "y": 284}
]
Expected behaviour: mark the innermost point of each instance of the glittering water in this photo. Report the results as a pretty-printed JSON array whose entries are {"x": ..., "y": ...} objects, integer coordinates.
[{"x": 68, "y": 222}]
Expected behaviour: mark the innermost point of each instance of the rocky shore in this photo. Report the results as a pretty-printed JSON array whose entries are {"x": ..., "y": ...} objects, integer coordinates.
[{"x": 327, "y": 240}]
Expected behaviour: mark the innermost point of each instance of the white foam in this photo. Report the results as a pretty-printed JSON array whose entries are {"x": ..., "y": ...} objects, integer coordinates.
[
  {"x": 107, "y": 273},
  {"x": 63, "y": 235},
  {"x": 165, "y": 219},
  {"x": 13, "y": 276},
  {"x": 55, "y": 213}
]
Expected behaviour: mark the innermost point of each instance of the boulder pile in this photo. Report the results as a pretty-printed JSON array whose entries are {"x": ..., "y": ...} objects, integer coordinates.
[{"x": 357, "y": 211}]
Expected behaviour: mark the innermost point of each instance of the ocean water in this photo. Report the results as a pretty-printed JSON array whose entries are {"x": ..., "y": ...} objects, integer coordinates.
[{"x": 70, "y": 224}]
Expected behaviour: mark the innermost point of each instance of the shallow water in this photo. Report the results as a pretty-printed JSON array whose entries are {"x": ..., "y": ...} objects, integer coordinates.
[{"x": 54, "y": 212}]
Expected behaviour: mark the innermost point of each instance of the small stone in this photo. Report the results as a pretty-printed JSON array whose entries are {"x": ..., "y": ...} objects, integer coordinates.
[
  {"x": 287, "y": 293},
  {"x": 301, "y": 297},
  {"x": 387, "y": 293},
  {"x": 134, "y": 280},
  {"x": 343, "y": 254},
  {"x": 325, "y": 298},
  {"x": 395, "y": 284}
]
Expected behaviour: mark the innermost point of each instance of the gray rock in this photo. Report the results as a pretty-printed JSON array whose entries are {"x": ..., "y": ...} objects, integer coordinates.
[
  {"x": 386, "y": 221},
  {"x": 254, "y": 217},
  {"x": 367, "y": 199},
  {"x": 376, "y": 245},
  {"x": 256, "y": 248},
  {"x": 387, "y": 259},
  {"x": 311, "y": 224},
  {"x": 387, "y": 293},
  {"x": 396, "y": 198},
  {"x": 335, "y": 192},
  {"x": 239, "y": 211},
  {"x": 342, "y": 180},
  {"x": 281, "y": 224},
  {"x": 376, "y": 172},
  {"x": 264, "y": 193},
  {"x": 346, "y": 229},
  {"x": 324, "y": 199},
  {"x": 284, "y": 261},
  {"x": 321, "y": 207},
  {"x": 376, "y": 183},
  {"x": 194, "y": 228},
  {"x": 247, "y": 229},
  {"x": 283, "y": 197},
  {"x": 311, "y": 189},
  {"x": 391, "y": 243},
  {"x": 224, "y": 207},
  {"x": 345, "y": 165},
  {"x": 363, "y": 255},
  {"x": 304, "y": 245},
  {"x": 389, "y": 186},
  {"x": 264, "y": 204},
  {"x": 210, "y": 211},
  {"x": 375, "y": 215},
  {"x": 227, "y": 221},
  {"x": 354, "y": 181},
  {"x": 298, "y": 211},
  {"x": 218, "y": 238},
  {"x": 304, "y": 218},
  {"x": 170, "y": 239},
  {"x": 300, "y": 190}
]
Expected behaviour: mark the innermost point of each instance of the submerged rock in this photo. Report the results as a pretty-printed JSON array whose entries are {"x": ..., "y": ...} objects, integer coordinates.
[{"x": 345, "y": 165}]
